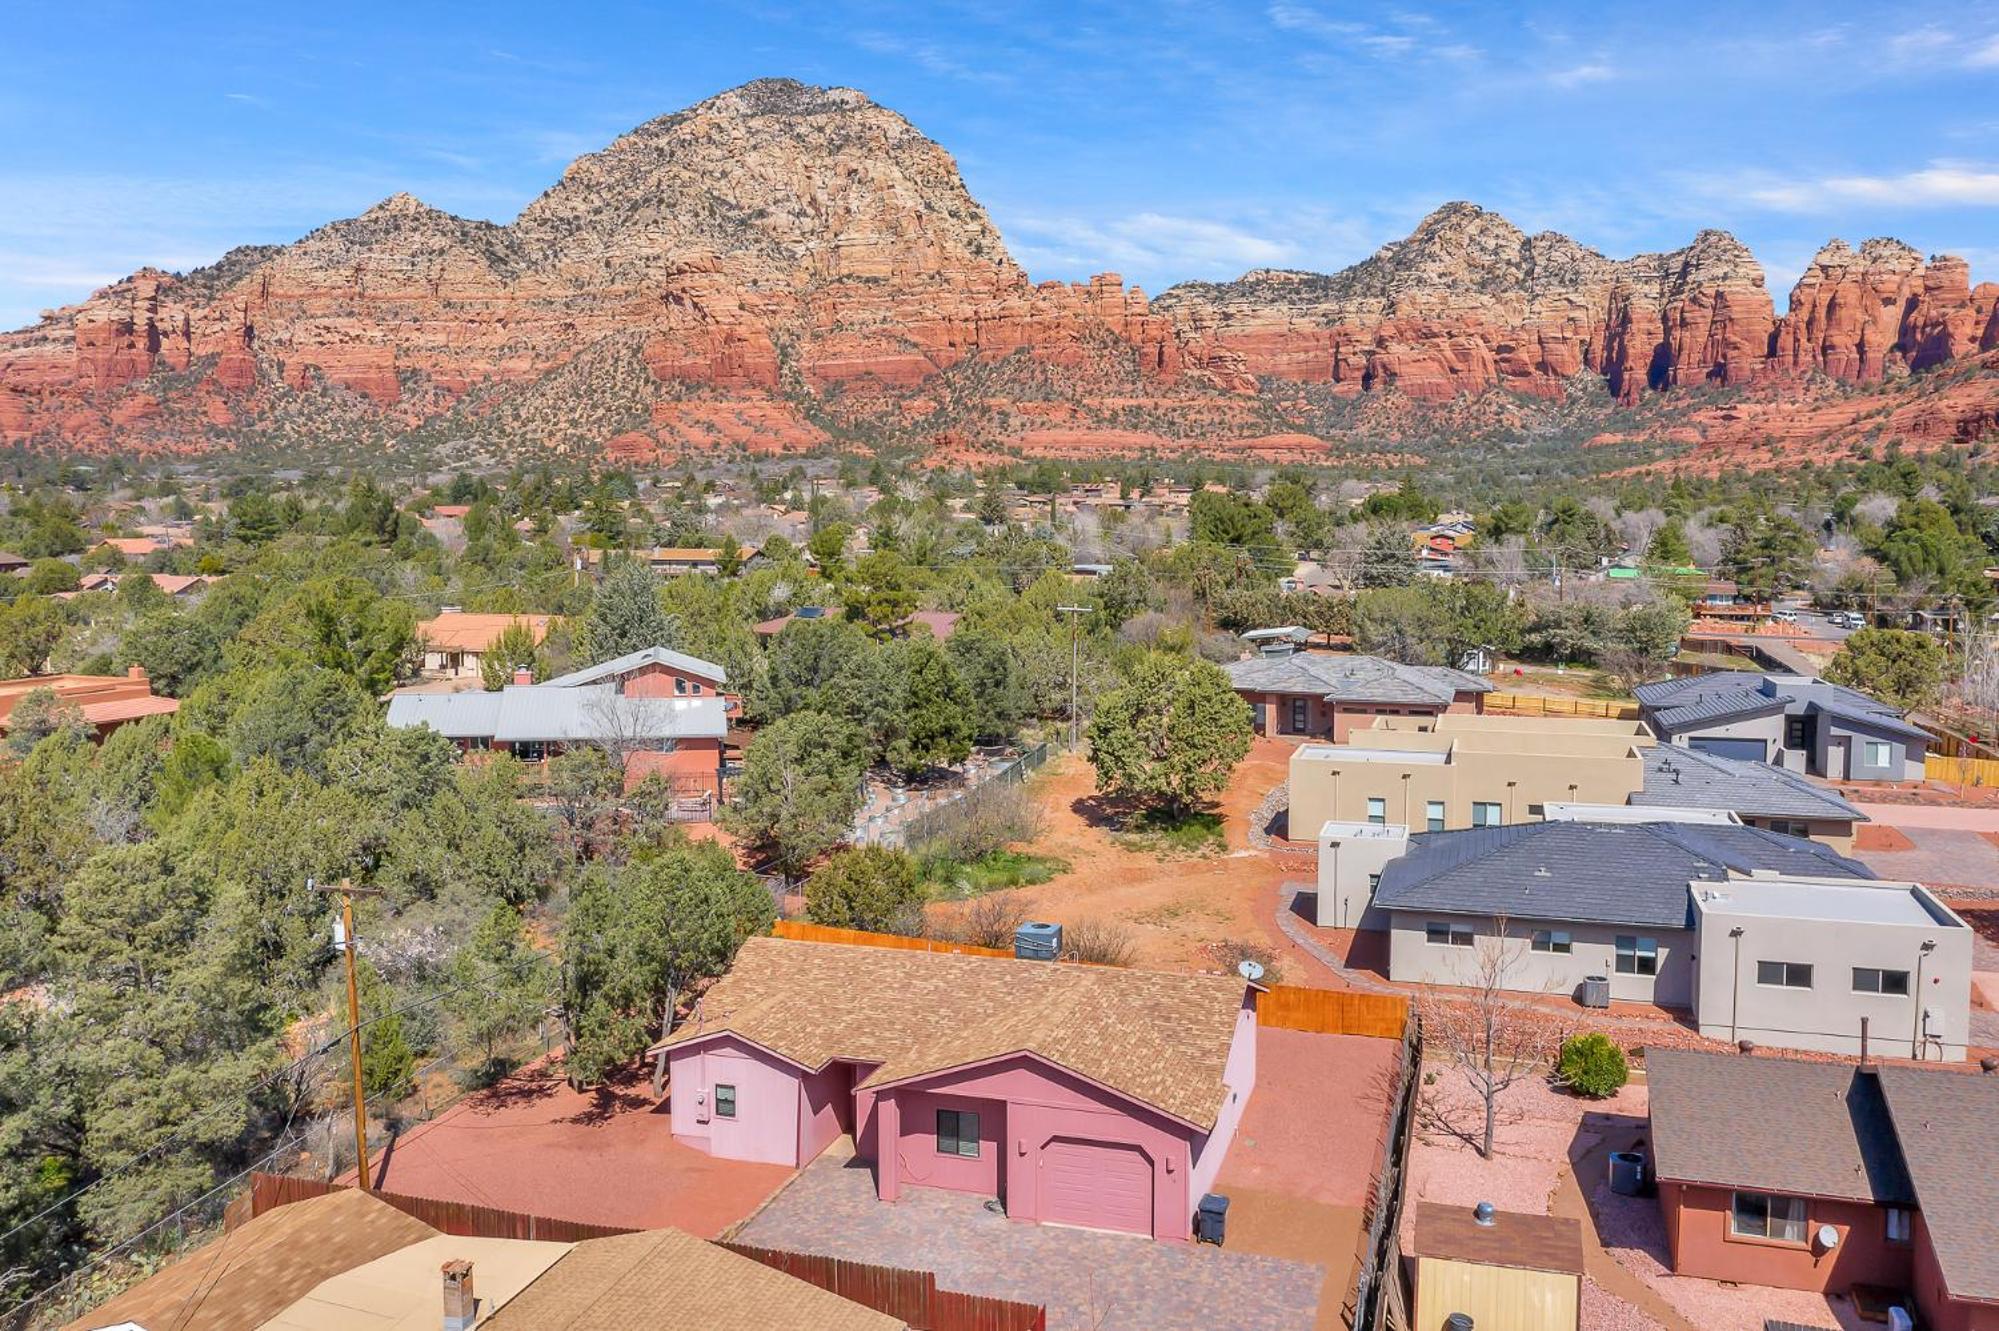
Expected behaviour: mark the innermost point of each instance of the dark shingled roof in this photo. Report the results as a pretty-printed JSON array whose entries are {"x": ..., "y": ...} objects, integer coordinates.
[
  {"x": 1692, "y": 779},
  {"x": 1775, "y": 1125},
  {"x": 1514, "y": 1239},
  {"x": 1353, "y": 679},
  {"x": 1945, "y": 1122},
  {"x": 1602, "y": 873}
]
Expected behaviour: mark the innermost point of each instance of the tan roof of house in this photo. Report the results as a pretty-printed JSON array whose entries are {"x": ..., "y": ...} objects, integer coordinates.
[
  {"x": 670, "y": 1281},
  {"x": 457, "y": 631},
  {"x": 1944, "y": 1121},
  {"x": 1161, "y": 1039},
  {"x": 404, "y": 1290},
  {"x": 253, "y": 1273}
]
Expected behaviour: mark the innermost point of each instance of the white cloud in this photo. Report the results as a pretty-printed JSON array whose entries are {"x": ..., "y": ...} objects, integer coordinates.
[
  {"x": 1405, "y": 34},
  {"x": 1985, "y": 56},
  {"x": 1575, "y": 76},
  {"x": 1939, "y": 185}
]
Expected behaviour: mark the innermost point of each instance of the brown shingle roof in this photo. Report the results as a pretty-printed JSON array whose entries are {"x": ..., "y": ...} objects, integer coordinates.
[
  {"x": 1945, "y": 1122},
  {"x": 671, "y": 1281},
  {"x": 1515, "y": 1239},
  {"x": 255, "y": 1272},
  {"x": 1162, "y": 1039},
  {"x": 1773, "y": 1124}
]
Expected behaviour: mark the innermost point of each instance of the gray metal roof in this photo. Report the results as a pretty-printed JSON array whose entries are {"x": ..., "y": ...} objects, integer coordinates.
[
  {"x": 1598, "y": 873},
  {"x": 1674, "y": 705},
  {"x": 1776, "y": 1125},
  {"x": 630, "y": 661},
  {"x": 1684, "y": 778},
  {"x": 579, "y": 714},
  {"x": 1727, "y": 705},
  {"x": 1886, "y": 723},
  {"x": 1353, "y": 679}
]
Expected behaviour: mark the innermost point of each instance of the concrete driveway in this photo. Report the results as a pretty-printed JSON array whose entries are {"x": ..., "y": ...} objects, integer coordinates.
[
  {"x": 1087, "y": 1280},
  {"x": 1939, "y": 856}
]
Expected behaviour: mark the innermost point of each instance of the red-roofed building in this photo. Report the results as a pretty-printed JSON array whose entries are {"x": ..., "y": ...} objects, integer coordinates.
[{"x": 106, "y": 701}]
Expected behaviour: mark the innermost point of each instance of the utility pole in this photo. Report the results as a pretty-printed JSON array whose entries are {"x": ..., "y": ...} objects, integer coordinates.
[
  {"x": 1075, "y": 653},
  {"x": 344, "y": 940}
]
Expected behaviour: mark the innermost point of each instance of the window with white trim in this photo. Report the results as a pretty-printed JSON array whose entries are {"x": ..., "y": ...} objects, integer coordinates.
[
  {"x": 725, "y": 1100},
  {"x": 1433, "y": 815},
  {"x": 1553, "y": 940},
  {"x": 1485, "y": 813},
  {"x": 1784, "y": 974},
  {"x": 1877, "y": 752},
  {"x": 958, "y": 1133},
  {"x": 1377, "y": 810},
  {"x": 1451, "y": 934},
  {"x": 1767, "y": 1215}
]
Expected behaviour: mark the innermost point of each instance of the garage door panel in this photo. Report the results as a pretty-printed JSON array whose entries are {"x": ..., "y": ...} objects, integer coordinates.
[
  {"x": 1721, "y": 746},
  {"x": 1102, "y": 1185}
]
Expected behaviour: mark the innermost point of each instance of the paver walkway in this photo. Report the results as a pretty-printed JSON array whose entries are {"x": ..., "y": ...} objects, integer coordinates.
[
  {"x": 1952, "y": 857},
  {"x": 1088, "y": 1281}
]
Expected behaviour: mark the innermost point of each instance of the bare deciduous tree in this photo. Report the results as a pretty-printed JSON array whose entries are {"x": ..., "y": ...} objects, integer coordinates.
[{"x": 1488, "y": 1035}]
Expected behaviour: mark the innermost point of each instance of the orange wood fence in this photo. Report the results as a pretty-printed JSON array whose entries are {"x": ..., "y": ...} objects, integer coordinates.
[
  {"x": 1333, "y": 1011},
  {"x": 1533, "y": 704},
  {"x": 802, "y": 932},
  {"x": 270, "y": 1191}
]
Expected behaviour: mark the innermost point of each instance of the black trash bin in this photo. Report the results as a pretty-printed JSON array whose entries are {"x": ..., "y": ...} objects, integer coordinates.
[{"x": 1211, "y": 1218}]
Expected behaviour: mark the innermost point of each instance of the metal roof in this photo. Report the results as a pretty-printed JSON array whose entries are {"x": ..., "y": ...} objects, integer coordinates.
[
  {"x": 1727, "y": 705},
  {"x": 1674, "y": 705},
  {"x": 1689, "y": 778},
  {"x": 1353, "y": 679},
  {"x": 1886, "y": 722},
  {"x": 566, "y": 714},
  {"x": 630, "y": 661},
  {"x": 1600, "y": 873}
]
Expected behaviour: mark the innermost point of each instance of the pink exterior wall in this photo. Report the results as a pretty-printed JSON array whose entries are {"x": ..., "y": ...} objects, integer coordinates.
[
  {"x": 1697, "y": 1231},
  {"x": 768, "y": 1095},
  {"x": 1940, "y": 1311},
  {"x": 918, "y": 1162},
  {"x": 1043, "y": 1103},
  {"x": 1239, "y": 1075},
  {"x": 825, "y": 1108}
]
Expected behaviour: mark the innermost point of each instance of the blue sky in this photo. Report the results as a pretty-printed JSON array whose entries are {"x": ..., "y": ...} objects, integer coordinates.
[{"x": 1163, "y": 140}]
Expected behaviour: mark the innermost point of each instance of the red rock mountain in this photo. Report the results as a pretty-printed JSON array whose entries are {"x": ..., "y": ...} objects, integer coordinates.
[{"x": 784, "y": 266}]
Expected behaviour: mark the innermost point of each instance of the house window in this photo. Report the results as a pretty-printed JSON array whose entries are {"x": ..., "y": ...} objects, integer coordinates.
[
  {"x": 1485, "y": 813},
  {"x": 1794, "y": 733},
  {"x": 958, "y": 1133},
  {"x": 1789, "y": 827},
  {"x": 1377, "y": 811},
  {"x": 679, "y": 685},
  {"x": 1763, "y": 1215},
  {"x": 696, "y": 687},
  {"x": 1373, "y": 882},
  {"x": 1433, "y": 815},
  {"x": 725, "y": 1101},
  {"x": 1553, "y": 940},
  {"x": 1900, "y": 1225},
  {"x": 531, "y": 750},
  {"x": 1637, "y": 956},
  {"x": 1299, "y": 710},
  {"x": 1877, "y": 752},
  {"x": 1873, "y": 980},
  {"x": 1784, "y": 974},
  {"x": 1447, "y": 935}
]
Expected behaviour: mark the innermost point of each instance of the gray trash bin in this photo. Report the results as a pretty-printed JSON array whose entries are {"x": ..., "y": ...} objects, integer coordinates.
[{"x": 1627, "y": 1173}]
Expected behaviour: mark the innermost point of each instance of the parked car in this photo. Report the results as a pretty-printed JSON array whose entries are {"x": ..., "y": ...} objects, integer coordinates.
[{"x": 1785, "y": 616}]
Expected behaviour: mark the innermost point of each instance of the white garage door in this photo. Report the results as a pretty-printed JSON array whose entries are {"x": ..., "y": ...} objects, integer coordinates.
[{"x": 1099, "y": 1184}]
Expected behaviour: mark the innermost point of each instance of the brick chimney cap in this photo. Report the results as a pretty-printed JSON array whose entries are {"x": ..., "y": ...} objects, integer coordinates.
[{"x": 458, "y": 1266}]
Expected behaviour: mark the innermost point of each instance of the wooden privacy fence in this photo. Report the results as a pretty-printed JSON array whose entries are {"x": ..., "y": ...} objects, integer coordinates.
[
  {"x": 1533, "y": 704},
  {"x": 1962, "y": 771},
  {"x": 911, "y": 1296},
  {"x": 1288, "y": 1007},
  {"x": 269, "y": 1191},
  {"x": 804, "y": 932}
]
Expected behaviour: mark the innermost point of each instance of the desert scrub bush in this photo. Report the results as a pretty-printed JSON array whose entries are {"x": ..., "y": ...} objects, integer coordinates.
[
  {"x": 1230, "y": 953},
  {"x": 1591, "y": 1065},
  {"x": 990, "y": 921},
  {"x": 1100, "y": 942}
]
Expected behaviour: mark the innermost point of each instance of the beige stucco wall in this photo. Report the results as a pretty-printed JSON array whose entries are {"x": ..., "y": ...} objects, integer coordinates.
[
  {"x": 1414, "y": 960},
  {"x": 1496, "y": 1298},
  {"x": 1827, "y": 1016},
  {"x": 1351, "y": 856},
  {"x": 1514, "y": 769}
]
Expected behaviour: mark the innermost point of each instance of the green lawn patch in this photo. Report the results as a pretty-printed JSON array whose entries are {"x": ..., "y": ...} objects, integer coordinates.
[
  {"x": 992, "y": 872},
  {"x": 1155, "y": 832}
]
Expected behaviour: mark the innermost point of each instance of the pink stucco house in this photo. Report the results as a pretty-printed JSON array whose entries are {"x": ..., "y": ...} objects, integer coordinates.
[{"x": 1079, "y": 1095}]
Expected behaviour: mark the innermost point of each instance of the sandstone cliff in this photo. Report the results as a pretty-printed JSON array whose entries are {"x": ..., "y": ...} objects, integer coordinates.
[{"x": 783, "y": 264}]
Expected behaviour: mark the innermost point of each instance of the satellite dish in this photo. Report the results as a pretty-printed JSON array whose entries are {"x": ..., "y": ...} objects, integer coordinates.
[
  {"x": 1249, "y": 970},
  {"x": 1828, "y": 1237}
]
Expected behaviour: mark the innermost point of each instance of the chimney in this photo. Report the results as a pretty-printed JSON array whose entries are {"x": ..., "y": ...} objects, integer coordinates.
[
  {"x": 135, "y": 671},
  {"x": 1866, "y": 1063},
  {"x": 523, "y": 674},
  {"x": 461, "y": 1308}
]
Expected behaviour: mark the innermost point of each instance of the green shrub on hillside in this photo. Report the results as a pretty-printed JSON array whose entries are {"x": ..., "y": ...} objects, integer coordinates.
[{"x": 1591, "y": 1065}]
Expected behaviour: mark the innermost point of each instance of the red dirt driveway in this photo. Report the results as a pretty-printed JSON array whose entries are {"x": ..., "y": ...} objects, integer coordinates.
[{"x": 606, "y": 1156}]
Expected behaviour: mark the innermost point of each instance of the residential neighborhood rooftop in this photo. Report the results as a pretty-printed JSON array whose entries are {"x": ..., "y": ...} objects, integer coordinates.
[
  {"x": 457, "y": 631},
  {"x": 1342, "y": 678},
  {"x": 1817, "y": 899},
  {"x": 1944, "y": 1123},
  {"x": 559, "y": 714},
  {"x": 1512, "y": 1239},
  {"x": 1714, "y": 1122},
  {"x": 1686, "y": 700},
  {"x": 1348, "y": 753},
  {"x": 1156, "y": 1037},
  {"x": 1610, "y": 873},
  {"x": 645, "y": 656},
  {"x": 1689, "y": 778}
]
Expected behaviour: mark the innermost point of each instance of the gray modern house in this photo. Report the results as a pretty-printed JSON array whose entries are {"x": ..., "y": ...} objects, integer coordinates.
[
  {"x": 1760, "y": 794},
  {"x": 1797, "y": 722}
]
